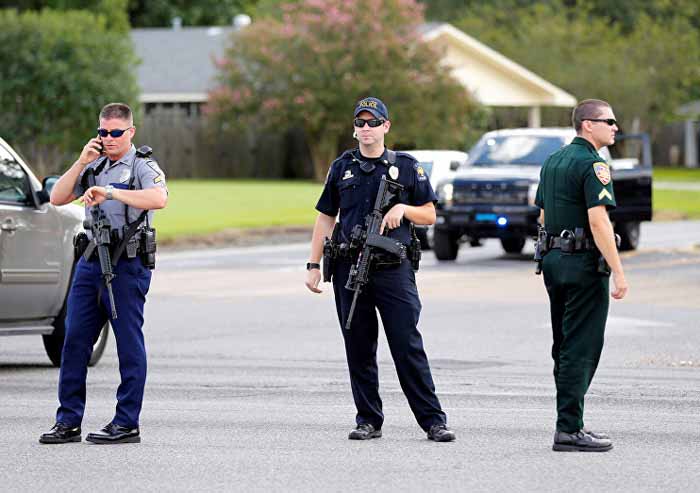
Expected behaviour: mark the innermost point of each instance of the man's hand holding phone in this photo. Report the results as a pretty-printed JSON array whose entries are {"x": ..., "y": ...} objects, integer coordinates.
[{"x": 92, "y": 150}]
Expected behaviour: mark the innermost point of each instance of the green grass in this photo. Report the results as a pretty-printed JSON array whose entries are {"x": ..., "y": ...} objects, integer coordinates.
[
  {"x": 677, "y": 174},
  {"x": 679, "y": 204},
  {"x": 199, "y": 207}
]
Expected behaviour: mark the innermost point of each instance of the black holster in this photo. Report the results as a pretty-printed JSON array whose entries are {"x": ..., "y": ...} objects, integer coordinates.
[
  {"x": 330, "y": 253},
  {"x": 147, "y": 247},
  {"x": 80, "y": 244},
  {"x": 414, "y": 251}
]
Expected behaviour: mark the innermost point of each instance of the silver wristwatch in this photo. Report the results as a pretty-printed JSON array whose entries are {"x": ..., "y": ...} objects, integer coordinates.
[{"x": 109, "y": 189}]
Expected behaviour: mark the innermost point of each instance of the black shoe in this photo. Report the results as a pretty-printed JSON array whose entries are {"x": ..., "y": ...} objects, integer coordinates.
[
  {"x": 114, "y": 434},
  {"x": 580, "y": 442},
  {"x": 365, "y": 431},
  {"x": 61, "y": 433},
  {"x": 598, "y": 435},
  {"x": 441, "y": 433}
]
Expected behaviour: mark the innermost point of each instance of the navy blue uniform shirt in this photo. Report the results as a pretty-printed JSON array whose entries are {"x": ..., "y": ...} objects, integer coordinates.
[{"x": 352, "y": 192}]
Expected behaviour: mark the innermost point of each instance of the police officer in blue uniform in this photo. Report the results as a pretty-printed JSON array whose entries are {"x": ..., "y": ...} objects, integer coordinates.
[
  {"x": 128, "y": 187},
  {"x": 350, "y": 190}
]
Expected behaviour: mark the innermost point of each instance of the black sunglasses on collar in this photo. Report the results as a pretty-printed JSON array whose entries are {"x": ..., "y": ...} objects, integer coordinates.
[
  {"x": 116, "y": 133},
  {"x": 374, "y": 122},
  {"x": 609, "y": 121}
]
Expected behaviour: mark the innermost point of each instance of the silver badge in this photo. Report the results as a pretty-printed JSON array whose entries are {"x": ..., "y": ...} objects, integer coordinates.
[
  {"x": 124, "y": 176},
  {"x": 394, "y": 172}
]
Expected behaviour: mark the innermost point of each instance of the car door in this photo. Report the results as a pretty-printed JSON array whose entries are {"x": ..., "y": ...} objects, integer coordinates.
[{"x": 31, "y": 251}]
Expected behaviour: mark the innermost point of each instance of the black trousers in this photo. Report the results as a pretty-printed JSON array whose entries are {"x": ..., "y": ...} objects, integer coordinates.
[
  {"x": 393, "y": 293},
  {"x": 579, "y": 299}
]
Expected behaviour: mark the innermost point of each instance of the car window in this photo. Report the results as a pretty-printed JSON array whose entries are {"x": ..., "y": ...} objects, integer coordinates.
[
  {"x": 521, "y": 150},
  {"x": 14, "y": 182}
]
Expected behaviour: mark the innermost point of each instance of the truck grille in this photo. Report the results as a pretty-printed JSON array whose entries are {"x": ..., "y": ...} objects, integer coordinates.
[{"x": 490, "y": 193}]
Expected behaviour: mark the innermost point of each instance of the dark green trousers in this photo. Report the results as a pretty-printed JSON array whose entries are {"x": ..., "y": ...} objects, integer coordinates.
[{"x": 579, "y": 299}]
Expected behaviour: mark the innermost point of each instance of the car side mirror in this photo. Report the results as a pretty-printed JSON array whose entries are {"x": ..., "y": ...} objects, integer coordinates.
[
  {"x": 46, "y": 186},
  {"x": 454, "y": 165}
]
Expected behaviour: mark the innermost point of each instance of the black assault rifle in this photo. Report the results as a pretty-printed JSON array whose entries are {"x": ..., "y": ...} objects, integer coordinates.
[
  {"x": 101, "y": 231},
  {"x": 370, "y": 242}
]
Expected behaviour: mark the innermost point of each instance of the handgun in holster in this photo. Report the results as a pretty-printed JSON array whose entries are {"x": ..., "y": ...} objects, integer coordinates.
[
  {"x": 603, "y": 267},
  {"x": 330, "y": 253},
  {"x": 414, "y": 250},
  {"x": 541, "y": 248}
]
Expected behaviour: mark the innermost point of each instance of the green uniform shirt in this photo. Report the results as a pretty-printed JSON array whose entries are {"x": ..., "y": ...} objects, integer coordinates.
[{"x": 572, "y": 180}]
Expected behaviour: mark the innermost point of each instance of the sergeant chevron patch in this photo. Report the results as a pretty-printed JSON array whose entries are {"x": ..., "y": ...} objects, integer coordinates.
[{"x": 604, "y": 193}]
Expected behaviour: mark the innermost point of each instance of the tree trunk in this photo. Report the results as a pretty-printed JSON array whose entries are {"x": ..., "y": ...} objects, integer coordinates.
[{"x": 324, "y": 150}]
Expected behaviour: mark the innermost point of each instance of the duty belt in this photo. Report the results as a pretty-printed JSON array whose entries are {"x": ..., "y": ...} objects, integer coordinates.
[{"x": 557, "y": 241}]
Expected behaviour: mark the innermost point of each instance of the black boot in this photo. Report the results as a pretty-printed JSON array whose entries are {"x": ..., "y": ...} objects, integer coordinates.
[
  {"x": 365, "y": 431},
  {"x": 114, "y": 434},
  {"x": 441, "y": 433},
  {"x": 579, "y": 442},
  {"x": 61, "y": 433}
]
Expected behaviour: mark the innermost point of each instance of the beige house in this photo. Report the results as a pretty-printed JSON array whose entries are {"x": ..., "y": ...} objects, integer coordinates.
[{"x": 490, "y": 77}]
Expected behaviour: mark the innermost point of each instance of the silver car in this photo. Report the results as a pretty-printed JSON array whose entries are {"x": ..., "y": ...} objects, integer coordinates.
[{"x": 36, "y": 257}]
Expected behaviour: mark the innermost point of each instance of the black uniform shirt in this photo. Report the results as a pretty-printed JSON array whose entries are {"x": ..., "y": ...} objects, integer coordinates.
[
  {"x": 572, "y": 180},
  {"x": 352, "y": 192}
]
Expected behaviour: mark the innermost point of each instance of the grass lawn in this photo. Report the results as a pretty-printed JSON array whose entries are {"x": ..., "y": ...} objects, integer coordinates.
[
  {"x": 677, "y": 174},
  {"x": 199, "y": 207},
  {"x": 677, "y": 203}
]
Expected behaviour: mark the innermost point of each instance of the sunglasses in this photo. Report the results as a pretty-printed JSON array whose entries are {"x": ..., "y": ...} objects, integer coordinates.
[
  {"x": 116, "y": 133},
  {"x": 609, "y": 121},
  {"x": 374, "y": 122}
]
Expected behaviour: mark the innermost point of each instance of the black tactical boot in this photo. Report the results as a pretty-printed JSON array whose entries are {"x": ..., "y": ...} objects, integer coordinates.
[
  {"x": 61, "y": 433},
  {"x": 441, "y": 433},
  {"x": 365, "y": 431},
  {"x": 580, "y": 442},
  {"x": 112, "y": 434}
]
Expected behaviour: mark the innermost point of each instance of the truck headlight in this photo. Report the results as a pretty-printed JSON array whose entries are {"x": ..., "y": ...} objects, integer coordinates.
[
  {"x": 445, "y": 193},
  {"x": 532, "y": 193}
]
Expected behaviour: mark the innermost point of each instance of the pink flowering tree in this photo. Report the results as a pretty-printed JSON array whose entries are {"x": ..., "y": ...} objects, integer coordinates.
[{"x": 307, "y": 67}]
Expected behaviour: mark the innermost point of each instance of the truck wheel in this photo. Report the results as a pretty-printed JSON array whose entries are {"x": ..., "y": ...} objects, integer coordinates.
[
  {"x": 513, "y": 245},
  {"x": 445, "y": 245},
  {"x": 629, "y": 234},
  {"x": 53, "y": 343}
]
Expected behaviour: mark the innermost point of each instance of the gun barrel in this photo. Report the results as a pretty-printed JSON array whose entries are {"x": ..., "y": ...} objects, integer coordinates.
[{"x": 348, "y": 323}]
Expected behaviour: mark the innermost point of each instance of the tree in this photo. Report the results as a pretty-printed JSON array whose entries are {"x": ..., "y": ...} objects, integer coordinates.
[
  {"x": 309, "y": 67},
  {"x": 645, "y": 73},
  {"x": 58, "y": 69}
]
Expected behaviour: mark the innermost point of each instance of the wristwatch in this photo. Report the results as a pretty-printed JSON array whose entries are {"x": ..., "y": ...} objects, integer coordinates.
[
  {"x": 109, "y": 189},
  {"x": 312, "y": 265}
]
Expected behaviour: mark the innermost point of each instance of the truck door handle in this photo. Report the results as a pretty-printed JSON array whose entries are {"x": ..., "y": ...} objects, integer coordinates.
[{"x": 9, "y": 225}]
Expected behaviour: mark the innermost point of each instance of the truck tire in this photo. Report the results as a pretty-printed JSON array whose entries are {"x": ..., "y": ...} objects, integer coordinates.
[
  {"x": 629, "y": 234},
  {"x": 53, "y": 343},
  {"x": 445, "y": 245},
  {"x": 513, "y": 245}
]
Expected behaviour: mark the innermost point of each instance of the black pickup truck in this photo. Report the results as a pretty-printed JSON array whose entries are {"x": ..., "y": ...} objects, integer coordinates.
[{"x": 493, "y": 195}]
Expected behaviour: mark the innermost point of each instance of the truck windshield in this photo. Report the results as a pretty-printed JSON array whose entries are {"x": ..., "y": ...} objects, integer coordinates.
[{"x": 521, "y": 150}]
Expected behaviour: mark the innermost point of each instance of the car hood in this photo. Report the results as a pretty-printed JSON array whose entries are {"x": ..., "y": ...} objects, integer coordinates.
[{"x": 491, "y": 173}]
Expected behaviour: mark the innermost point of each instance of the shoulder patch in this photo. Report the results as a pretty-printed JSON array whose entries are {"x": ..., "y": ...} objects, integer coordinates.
[
  {"x": 602, "y": 171},
  {"x": 420, "y": 171}
]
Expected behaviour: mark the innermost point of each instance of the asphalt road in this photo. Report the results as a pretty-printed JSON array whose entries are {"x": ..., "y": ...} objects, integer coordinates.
[{"x": 248, "y": 387}]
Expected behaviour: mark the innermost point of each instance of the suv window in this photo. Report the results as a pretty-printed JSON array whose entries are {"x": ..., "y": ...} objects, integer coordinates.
[
  {"x": 14, "y": 182},
  {"x": 527, "y": 150}
]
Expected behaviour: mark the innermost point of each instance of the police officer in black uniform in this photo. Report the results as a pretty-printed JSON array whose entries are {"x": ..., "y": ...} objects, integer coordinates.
[
  {"x": 574, "y": 194},
  {"x": 350, "y": 190},
  {"x": 128, "y": 186}
]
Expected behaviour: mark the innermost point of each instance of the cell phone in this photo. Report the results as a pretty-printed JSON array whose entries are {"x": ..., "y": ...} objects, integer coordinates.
[{"x": 101, "y": 146}]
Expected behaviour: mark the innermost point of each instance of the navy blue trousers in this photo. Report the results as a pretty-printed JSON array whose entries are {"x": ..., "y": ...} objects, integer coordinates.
[
  {"x": 87, "y": 312},
  {"x": 394, "y": 294}
]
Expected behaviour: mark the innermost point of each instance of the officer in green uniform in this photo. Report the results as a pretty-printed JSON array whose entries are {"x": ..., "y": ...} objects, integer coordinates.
[{"x": 574, "y": 195}]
